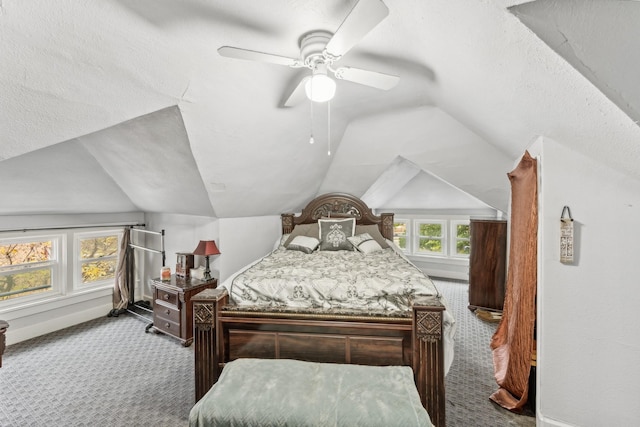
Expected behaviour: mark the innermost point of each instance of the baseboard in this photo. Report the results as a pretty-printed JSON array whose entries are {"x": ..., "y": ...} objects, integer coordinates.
[
  {"x": 542, "y": 421},
  {"x": 447, "y": 274},
  {"x": 16, "y": 335}
]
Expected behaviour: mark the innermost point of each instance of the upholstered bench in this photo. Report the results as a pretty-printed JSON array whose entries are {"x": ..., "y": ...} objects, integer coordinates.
[{"x": 283, "y": 392}]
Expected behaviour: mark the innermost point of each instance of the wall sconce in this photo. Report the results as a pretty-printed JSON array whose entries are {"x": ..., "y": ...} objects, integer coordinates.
[{"x": 207, "y": 248}]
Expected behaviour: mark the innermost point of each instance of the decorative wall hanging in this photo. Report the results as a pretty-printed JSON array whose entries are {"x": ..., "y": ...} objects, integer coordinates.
[{"x": 566, "y": 236}]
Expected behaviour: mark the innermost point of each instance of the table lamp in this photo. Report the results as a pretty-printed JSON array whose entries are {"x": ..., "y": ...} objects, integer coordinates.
[{"x": 206, "y": 248}]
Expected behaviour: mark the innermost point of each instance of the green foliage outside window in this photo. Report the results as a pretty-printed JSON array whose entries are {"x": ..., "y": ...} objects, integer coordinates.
[
  {"x": 430, "y": 238},
  {"x": 400, "y": 234},
  {"x": 462, "y": 239},
  {"x": 431, "y": 230}
]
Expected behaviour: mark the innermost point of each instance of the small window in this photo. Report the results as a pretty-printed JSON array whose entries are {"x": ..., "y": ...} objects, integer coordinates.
[
  {"x": 461, "y": 238},
  {"x": 97, "y": 258},
  {"x": 28, "y": 267},
  {"x": 430, "y": 238},
  {"x": 400, "y": 234}
]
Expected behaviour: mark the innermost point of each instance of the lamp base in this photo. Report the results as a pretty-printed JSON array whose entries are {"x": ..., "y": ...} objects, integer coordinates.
[{"x": 207, "y": 272}]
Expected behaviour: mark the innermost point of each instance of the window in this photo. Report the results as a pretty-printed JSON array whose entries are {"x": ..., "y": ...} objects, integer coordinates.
[
  {"x": 400, "y": 234},
  {"x": 96, "y": 258},
  {"x": 460, "y": 235},
  {"x": 29, "y": 267},
  {"x": 430, "y": 237},
  {"x": 433, "y": 236}
]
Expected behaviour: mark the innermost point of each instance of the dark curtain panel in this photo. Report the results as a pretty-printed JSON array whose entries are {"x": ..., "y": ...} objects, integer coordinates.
[
  {"x": 124, "y": 282},
  {"x": 513, "y": 342}
]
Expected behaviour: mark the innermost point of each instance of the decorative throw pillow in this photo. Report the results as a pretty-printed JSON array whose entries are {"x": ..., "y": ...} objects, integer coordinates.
[
  {"x": 374, "y": 232},
  {"x": 334, "y": 232},
  {"x": 309, "y": 230},
  {"x": 364, "y": 243},
  {"x": 304, "y": 244}
]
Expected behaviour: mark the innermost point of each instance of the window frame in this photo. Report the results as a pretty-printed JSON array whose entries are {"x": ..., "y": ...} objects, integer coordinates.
[
  {"x": 78, "y": 284},
  {"x": 454, "y": 237},
  {"x": 449, "y": 239},
  {"x": 417, "y": 222},
  {"x": 55, "y": 263},
  {"x": 407, "y": 234}
]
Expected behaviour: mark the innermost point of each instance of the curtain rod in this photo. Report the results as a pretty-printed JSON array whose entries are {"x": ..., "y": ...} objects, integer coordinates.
[{"x": 69, "y": 227}]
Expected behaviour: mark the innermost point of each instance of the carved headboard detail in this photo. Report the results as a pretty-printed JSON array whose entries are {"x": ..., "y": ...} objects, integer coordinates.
[{"x": 339, "y": 205}]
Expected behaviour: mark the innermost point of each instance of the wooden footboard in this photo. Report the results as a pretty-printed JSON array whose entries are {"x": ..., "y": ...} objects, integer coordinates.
[{"x": 223, "y": 335}]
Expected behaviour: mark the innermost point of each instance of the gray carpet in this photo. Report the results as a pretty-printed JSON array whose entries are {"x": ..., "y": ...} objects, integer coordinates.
[
  {"x": 470, "y": 380},
  {"x": 108, "y": 372}
]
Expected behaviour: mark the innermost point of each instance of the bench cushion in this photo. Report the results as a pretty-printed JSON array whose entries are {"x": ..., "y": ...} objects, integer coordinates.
[{"x": 283, "y": 392}]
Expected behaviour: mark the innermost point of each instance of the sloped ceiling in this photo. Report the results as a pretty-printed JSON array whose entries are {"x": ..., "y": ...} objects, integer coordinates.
[
  {"x": 478, "y": 84},
  {"x": 608, "y": 55},
  {"x": 144, "y": 164}
]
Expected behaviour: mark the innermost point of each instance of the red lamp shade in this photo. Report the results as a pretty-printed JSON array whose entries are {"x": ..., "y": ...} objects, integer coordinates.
[{"x": 206, "y": 248}]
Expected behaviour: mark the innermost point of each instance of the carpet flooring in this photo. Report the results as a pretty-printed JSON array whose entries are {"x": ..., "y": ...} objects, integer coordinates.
[{"x": 108, "y": 372}]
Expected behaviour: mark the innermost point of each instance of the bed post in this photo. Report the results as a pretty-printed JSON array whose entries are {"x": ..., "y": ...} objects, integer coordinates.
[
  {"x": 206, "y": 308},
  {"x": 428, "y": 356},
  {"x": 287, "y": 223},
  {"x": 386, "y": 225}
]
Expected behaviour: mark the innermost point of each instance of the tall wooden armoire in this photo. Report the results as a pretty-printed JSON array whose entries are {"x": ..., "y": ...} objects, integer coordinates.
[{"x": 487, "y": 264}]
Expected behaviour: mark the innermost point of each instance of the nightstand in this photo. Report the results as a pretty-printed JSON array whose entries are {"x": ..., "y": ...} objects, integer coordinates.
[{"x": 172, "y": 308}]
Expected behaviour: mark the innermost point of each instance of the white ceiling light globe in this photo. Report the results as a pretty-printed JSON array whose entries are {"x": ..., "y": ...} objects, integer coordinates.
[{"x": 320, "y": 88}]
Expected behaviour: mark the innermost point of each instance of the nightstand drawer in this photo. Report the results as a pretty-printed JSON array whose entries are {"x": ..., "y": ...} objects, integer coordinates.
[
  {"x": 167, "y": 326},
  {"x": 167, "y": 297},
  {"x": 163, "y": 311}
]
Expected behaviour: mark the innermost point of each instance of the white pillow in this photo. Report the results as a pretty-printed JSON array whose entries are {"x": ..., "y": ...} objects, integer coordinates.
[
  {"x": 304, "y": 244},
  {"x": 365, "y": 243}
]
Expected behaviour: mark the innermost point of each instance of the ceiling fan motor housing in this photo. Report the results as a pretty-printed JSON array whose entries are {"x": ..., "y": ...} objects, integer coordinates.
[{"x": 312, "y": 47}]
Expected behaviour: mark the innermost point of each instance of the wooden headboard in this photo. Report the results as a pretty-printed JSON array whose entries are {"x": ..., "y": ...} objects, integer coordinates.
[{"x": 339, "y": 205}]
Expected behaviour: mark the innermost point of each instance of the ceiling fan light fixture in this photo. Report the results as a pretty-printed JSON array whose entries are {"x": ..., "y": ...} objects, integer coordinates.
[{"x": 320, "y": 87}]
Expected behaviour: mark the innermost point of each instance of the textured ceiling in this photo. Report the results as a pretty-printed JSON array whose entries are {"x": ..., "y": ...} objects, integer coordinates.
[{"x": 131, "y": 99}]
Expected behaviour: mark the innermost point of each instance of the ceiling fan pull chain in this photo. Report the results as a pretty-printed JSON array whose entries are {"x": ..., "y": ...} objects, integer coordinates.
[
  {"x": 328, "y": 128},
  {"x": 311, "y": 140}
]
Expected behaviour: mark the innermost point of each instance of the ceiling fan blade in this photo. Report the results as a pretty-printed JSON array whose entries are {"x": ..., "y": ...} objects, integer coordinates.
[
  {"x": 364, "y": 16},
  {"x": 297, "y": 95},
  {"x": 367, "y": 78},
  {"x": 252, "y": 55}
]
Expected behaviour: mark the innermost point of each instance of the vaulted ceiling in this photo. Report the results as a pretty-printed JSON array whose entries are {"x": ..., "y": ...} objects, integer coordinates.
[{"x": 119, "y": 105}]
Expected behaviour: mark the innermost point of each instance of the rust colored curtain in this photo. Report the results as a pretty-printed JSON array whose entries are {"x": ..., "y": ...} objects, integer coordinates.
[
  {"x": 124, "y": 275},
  {"x": 513, "y": 343}
]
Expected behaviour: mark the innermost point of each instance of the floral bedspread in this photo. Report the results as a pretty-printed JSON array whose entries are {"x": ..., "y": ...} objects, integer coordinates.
[{"x": 381, "y": 281}]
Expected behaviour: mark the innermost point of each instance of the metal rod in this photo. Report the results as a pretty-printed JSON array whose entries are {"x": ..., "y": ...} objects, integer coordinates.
[
  {"x": 70, "y": 227},
  {"x": 155, "y": 251},
  {"x": 144, "y": 248},
  {"x": 158, "y": 233},
  {"x": 138, "y": 315}
]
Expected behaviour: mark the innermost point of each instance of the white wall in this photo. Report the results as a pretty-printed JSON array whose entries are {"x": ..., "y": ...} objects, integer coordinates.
[
  {"x": 588, "y": 312},
  {"x": 243, "y": 240},
  {"x": 41, "y": 317},
  {"x": 182, "y": 234},
  {"x": 449, "y": 268},
  {"x": 240, "y": 240}
]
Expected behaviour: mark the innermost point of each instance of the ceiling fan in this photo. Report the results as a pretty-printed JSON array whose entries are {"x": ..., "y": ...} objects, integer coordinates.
[{"x": 319, "y": 50}]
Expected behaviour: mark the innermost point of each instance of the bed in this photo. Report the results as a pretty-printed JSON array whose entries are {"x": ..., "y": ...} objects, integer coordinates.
[{"x": 253, "y": 316}]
